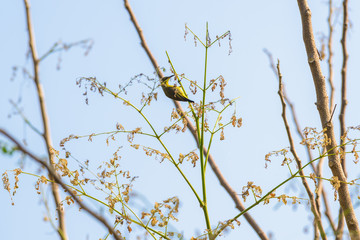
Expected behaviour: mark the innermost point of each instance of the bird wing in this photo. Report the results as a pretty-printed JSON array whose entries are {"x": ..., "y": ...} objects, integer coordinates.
[
  {"x": 180, "y": 95},
  {"x": 175, "y": 93}
]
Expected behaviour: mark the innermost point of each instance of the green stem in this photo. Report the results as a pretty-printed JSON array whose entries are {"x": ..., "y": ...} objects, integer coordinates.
[
  {"x": 181, "y": 172},
  {"x": 264, "y": 197},
  {"x": 197, "y": 36},
  {"x": 201, "y": 142}
]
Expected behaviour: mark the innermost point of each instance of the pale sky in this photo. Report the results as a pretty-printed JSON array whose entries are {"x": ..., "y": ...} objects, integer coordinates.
[{"x": 116, "y": 56}]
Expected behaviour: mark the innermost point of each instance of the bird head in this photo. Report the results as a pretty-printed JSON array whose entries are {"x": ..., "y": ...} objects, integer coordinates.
[{"x": 166, "y": 79}]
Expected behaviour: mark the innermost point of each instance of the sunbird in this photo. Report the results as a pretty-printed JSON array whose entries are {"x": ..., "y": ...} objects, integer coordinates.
[{"x": 172, "y": 91}]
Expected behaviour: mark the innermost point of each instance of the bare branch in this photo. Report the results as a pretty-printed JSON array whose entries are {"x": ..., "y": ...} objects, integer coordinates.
[
  {"x": 25, "y": 119},
  {"x": 55, "y": 177},
  {"x": 314, "y": 208},
  {"x": 46, "y": 128},
  {"x": 343, "y": 79},
  {"x": 192, "y": 129},
  {"x": 330, "y": 52},
  {"x": 323, "y": 108},
  {"x": 340, "y": 228},
  {"x": 292, "y": 108},
  {"x": 327, "y": 210},
  {"x": 60, "y": 46}
]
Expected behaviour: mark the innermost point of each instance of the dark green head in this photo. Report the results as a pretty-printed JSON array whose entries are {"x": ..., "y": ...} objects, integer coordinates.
[{"x": 165, "y": 79}]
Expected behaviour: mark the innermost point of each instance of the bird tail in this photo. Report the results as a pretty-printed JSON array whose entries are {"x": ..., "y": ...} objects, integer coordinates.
[{"x": 185, "y": 99}]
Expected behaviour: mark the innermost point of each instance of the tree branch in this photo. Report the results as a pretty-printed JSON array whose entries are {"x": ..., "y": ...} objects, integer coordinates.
[
  {"x": 46, "y": 128},
  {"x": 340, "y": 228},
  {"x": 330, "y": 52},
  {"x": 314, "y": 208},
  {"x": 292, "y": 109}
]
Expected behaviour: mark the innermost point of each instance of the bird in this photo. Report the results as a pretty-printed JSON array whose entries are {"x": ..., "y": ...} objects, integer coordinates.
[{"x": 172, "y": 91}]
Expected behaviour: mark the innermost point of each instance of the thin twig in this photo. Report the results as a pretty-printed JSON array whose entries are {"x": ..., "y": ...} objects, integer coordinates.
[
  {"x": 192, "y": 129},
  {"x": 327, "y": 210},
  {"x": 46, "y": 127},
  {"x": 314, "y": 208},
  {"x": 55, "y": 178},
  {"x": 292, "y": 109},
  {"x": 59, "y": 46},
  {"x": 330, "y": 52},
  {"x": 25, "y": 119},
  {"x": 324, "y": 112},
  {"x": 340, "y": 228}
]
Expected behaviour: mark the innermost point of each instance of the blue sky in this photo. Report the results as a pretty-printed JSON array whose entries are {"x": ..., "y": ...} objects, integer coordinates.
[{"x": 116, "y": 56}]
